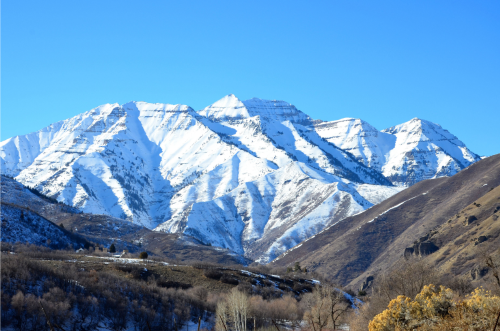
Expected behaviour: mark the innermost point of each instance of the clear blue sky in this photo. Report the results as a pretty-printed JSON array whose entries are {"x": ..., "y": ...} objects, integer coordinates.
[{"x": 383, "y": 61}]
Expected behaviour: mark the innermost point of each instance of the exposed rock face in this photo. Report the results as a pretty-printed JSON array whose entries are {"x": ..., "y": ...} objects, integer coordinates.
[
  {"x": 478, "y": 272},
  {"x": 370, "y": 146},
  {"x": 420, "y": 249},
  {"x": 231, "y": 108},
  {"x": 480, "y": 239},
  {"x": 409, "y": 251},
  {"x": 426, "y": 248},
  {"x": 21, "y": 224},
  {"x": 373, "y": 242},
  {"x": 470, "y": 220},
  {"x": 367, "y": 283}
]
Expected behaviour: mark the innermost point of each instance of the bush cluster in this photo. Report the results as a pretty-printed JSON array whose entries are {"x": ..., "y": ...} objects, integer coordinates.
[
  {"x": 78, "y": 299},
  {"x": 436, "y": 308},
  {"x": 213, "y": 274}
]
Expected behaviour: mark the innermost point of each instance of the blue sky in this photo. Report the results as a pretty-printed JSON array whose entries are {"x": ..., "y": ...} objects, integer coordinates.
[{"x": 383, "y": 61}]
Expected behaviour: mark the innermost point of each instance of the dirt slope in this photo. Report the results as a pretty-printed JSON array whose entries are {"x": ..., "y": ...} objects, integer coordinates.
[{"x": 371, "y": 242}]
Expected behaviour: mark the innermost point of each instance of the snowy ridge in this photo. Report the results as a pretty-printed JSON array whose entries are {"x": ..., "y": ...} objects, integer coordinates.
[
  {"x": 370, "y": 146},
  {"x": 406, "y": 153},
  {"x": 21, "y": 225},
  {"x": 231, "y": 108},
  {"x": 425, "y": 150},
  {"x": 257, "y": 177}
]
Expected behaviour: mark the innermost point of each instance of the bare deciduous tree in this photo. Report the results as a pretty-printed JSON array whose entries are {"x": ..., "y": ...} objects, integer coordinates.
[
  {"x": 329, "y": 305},
  {"x": 233, "y": 312},
  {"x": 494, "y": 265},
  {"x": 408, "y": 279}
]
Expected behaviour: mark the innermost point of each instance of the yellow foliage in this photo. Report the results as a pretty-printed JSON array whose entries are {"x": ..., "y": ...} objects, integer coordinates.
[
  {"x": 435, "y": 308},
  {"x": 478, "y": 311}
]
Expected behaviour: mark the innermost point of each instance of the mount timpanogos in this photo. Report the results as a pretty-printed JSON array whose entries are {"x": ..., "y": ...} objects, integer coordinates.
[{"x": 257, "y": 177}]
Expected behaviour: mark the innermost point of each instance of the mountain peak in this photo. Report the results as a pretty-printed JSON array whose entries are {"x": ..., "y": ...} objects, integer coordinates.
[
  {"x": 148, "y": 107},
  {"x": 422, "y": 127},
  {"x": 424, "y": 150},
  {"x": 232, "y": 108},
  {"x": 227, "y": 108}
]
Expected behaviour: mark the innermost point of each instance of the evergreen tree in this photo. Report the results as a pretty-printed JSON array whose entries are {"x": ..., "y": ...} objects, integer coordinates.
[{"x": 112, "y": 248}]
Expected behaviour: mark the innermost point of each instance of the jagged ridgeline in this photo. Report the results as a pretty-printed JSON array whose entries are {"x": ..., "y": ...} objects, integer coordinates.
[{"x": 257, "y": 176}]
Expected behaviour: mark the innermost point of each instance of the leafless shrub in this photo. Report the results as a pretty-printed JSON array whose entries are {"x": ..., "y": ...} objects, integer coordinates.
[
  {"x": 285, "y": 308},
  {"x": 228, "y": 279},
  {"x": 492, "y": 261},
  {"x": 328, "y": 309},
  {"x": 462, "y": 286},
  {"x": 408, "y": 278},
  {"x": 213, "y": 274},
  {"x": 88, "y": 297},
  {"x": 205, "y": 266}
]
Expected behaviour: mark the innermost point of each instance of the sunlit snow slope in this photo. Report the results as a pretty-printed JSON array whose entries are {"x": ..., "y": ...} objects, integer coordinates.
[
  {"x": 255, "y": 176},
  {"x": 406, "y": 153}
]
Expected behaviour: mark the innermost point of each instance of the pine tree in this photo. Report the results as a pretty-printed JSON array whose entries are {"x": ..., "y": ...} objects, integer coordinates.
[{"x": 112, "y": 248}]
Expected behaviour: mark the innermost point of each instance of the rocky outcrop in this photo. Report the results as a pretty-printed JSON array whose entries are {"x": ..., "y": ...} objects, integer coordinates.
[
  {"x": 471, "y": 219},
  {"x": 367, "y": 283},
  {"x": 409, "y": 251},
  {"x": 422, "y": 247},
  {"x": 480, "y": 239},
  {"x": 478, "y": 272},
  {"x": 426, "y": 248}
]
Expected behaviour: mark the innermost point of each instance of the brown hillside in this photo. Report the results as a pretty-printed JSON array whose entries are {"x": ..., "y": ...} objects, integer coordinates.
[{"x": 371, "y": 242}]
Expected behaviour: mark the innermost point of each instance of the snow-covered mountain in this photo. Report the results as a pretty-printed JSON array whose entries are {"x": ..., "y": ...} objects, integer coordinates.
[
  {"x": 370, "y": 146},
  {"x": 231, "y": 108},
  {"x": 255, "y": 176},
  {"x": 425, "y": 150},
  {"x": 406, "y": 153}
]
